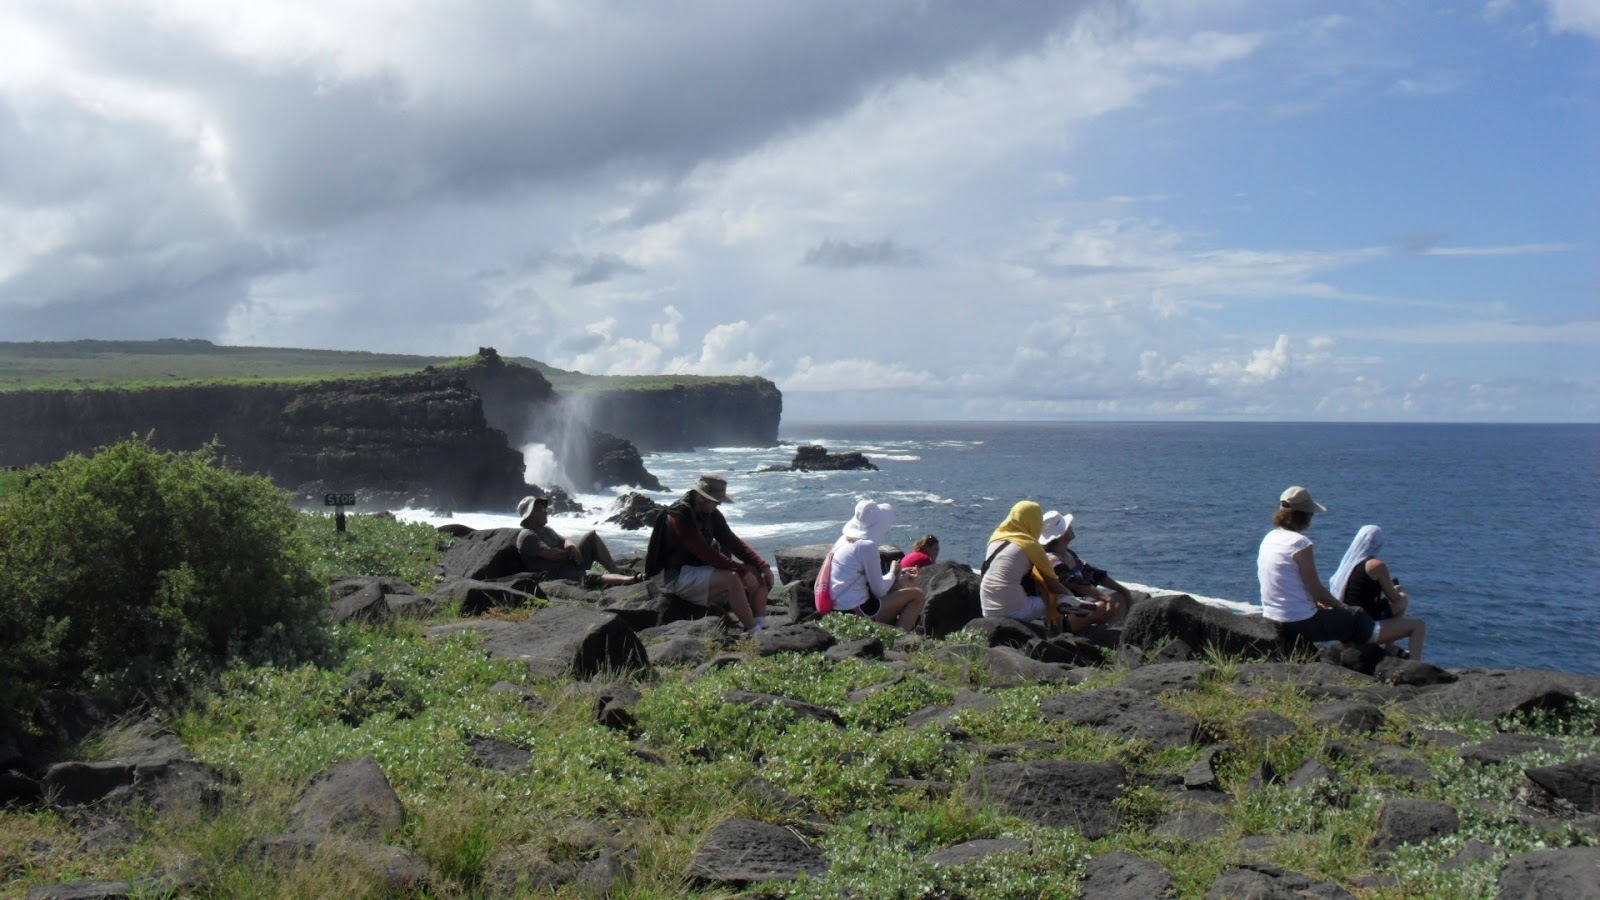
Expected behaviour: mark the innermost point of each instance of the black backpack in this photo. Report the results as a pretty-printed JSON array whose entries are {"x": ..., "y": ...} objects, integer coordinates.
[{"x": 655, "y": 554}]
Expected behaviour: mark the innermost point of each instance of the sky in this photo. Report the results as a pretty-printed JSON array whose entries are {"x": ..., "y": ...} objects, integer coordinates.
[{"x": 902, "y": 209}]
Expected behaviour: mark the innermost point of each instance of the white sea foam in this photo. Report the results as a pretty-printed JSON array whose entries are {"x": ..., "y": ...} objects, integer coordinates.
[
  {"x": 1236, "y": 606},
  {"x": 922, "y": 496},
  {"x": 901, "y": 457}
]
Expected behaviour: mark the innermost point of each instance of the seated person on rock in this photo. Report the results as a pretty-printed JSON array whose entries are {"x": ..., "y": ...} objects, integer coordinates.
[
  {"x": 1363, "y": 580},
  {"x": 704, "y": 562},
  {"x": 1013, "y": 558},
  {"x": 1084, "y": 604},
  {"x": 1294, "y": 596},
  {"x": 546, "y": 552},
  {"x": 1082, "y": 579},
  {"x": 925, "y": 552},
  {"x": 857, "y": 580}
]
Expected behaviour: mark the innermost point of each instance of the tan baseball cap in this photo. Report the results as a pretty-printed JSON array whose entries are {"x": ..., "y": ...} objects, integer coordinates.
[{"x": 1299, "y": 499}]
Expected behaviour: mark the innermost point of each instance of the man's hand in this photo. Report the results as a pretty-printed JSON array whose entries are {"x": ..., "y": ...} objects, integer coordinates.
[
  {"x": 570, "y": 551},
  {"x": 766, "y": 576}
]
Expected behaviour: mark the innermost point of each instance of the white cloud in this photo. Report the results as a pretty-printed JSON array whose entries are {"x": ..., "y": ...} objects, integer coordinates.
[
  {"x": 1580, "y": 16},
  {"x": 857, "y": 375},
  {"x": 1509, "y": 250},
  {"x": 665, "y": 333},
  {"x": 1030, "y": 209}
]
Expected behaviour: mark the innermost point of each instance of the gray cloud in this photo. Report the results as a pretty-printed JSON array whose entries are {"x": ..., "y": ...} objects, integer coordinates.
[
  {"x": 188, "y": 201},
  {"x": 580, "y": 343},
  {"x": 832, "y": 254},
  {"x": 601, "y": 267}
]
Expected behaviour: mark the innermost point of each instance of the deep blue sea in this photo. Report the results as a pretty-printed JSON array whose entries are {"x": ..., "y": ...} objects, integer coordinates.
[{"x": 1494, "y": 529}]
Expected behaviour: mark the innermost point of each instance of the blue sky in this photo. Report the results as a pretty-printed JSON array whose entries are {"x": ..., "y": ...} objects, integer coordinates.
[{"x": 919, "y": 210}]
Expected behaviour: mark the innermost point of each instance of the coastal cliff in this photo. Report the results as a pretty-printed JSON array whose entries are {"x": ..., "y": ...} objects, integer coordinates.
[
  {"x": 450, "y": 435},
  {"x": 742, "y": 412},
  {"x": 421, "y": 436}
]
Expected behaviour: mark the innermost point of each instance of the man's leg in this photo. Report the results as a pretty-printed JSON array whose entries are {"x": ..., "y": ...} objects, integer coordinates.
[
  {"x": 594, "y": 550},
  {"x": 757, "y": 592},
  {"x": 727, "y": 590}
]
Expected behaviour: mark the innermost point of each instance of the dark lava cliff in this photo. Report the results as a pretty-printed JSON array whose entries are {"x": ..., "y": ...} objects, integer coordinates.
[{"x": 446, "y": 437}]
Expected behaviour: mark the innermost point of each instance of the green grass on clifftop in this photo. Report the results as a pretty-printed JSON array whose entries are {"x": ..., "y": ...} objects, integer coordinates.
[{"x": 132, "y": 365}]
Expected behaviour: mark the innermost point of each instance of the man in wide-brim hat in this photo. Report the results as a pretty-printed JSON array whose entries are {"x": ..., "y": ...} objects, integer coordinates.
[
  {"x": 704, "y": 562},
  {"x": 543, "y": 550}
]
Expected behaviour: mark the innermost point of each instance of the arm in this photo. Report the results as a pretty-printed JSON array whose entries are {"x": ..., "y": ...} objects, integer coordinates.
[
  {"x": 1054, "y": 585},
  {"x": 1114, "y": 587},
  {"x": 697, "y": 546},
  {"x": 880, "y": 583},
  {"x": 1306, "y": 562},
  {"x": 1380, "y": 572},
  {"x": 749, "y": 557}
]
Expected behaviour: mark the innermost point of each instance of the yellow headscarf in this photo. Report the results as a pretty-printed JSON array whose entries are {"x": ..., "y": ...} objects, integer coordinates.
[{"x": 1022, "y": 527}]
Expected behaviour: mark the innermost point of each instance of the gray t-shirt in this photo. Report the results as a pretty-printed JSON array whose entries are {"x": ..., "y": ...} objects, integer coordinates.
[{"x": 531, "y": 541}]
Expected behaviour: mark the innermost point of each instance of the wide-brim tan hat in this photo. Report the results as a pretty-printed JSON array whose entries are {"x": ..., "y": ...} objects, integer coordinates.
[
  {"x": 526, "y": 504},
  {"x": 1299, "y": 499},
  {"x": 712, "y": 487}
]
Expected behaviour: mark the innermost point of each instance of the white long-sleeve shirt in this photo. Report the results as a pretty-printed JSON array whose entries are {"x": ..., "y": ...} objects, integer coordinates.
[{"x": 857, "y": 573}]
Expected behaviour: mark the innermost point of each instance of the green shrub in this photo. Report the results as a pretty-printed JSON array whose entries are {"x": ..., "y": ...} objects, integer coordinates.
[
  {"x": 133, "y": 571},
  {"x": 374, "y": 545}
]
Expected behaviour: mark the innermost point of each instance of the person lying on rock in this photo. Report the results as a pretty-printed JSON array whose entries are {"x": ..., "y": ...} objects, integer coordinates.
[
  {"x": 1018, "y": 579},
  {"x": 1294, "y": 596},
  {"x": 1083, "y": 580},
  {"x": 704, "y": 562},
  {"x": 857, "y": 580},
  {"x": 546, "y": 552}
]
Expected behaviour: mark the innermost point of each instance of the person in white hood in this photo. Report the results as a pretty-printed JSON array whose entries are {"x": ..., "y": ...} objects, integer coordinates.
[{"x": 857, "y": 580}]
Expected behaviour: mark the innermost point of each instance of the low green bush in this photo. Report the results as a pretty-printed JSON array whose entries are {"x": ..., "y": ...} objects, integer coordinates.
[{"x": 133, "y": 572}]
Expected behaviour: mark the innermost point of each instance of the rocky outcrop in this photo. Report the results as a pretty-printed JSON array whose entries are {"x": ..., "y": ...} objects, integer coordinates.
[{"x": 815, "y": 458}]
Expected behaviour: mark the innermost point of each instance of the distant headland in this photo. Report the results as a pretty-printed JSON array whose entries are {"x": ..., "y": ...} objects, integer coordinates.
[{"x": 422, "y": 430}]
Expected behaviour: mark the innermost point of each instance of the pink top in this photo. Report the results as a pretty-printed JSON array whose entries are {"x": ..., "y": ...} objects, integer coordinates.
[{"x": 915, "y": 559}]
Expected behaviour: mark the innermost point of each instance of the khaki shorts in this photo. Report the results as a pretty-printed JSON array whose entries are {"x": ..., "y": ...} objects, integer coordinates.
[{"x": 693, "y": 584}]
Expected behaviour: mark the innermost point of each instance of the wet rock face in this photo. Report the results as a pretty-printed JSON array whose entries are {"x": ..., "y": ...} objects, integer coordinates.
[{"x": 421, "y": 437}]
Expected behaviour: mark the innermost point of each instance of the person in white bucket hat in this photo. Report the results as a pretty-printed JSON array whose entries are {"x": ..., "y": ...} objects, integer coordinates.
[{"x": 1083, "y": 580}]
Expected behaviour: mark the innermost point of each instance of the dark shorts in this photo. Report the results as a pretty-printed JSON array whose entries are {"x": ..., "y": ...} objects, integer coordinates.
[
  {"x": 564, "y": 571},
  {"x": 870, "y": 607},
  {"x": 1353, "y": 626},
  {"x": 1378, "y": 609}
]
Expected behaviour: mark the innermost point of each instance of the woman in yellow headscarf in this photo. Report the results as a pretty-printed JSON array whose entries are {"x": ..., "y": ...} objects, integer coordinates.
[{"x": 1013, "y": 556}]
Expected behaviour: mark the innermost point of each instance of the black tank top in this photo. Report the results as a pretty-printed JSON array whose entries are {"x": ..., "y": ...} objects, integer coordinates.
[{"x": 1364, "y": 591}]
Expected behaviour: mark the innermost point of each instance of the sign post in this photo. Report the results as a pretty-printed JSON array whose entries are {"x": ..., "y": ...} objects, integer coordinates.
[{"x": 339, "y": 502}]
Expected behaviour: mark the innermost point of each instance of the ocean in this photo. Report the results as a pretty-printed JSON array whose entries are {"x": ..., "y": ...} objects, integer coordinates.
[{"x": 1494, "y": 529}]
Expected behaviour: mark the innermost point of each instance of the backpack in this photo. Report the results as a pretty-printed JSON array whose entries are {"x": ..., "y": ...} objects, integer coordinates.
[
  {"x": 655, "y": 554},
  {"x": 822, "y": 593}
]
